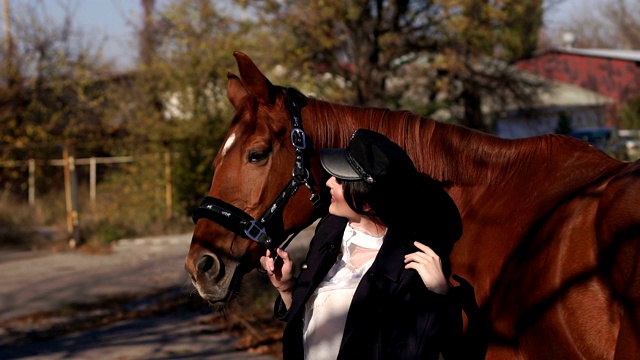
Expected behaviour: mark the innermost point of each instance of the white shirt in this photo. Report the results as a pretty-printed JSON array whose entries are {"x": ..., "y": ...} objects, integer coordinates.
[{"x": 327, "y": 308}]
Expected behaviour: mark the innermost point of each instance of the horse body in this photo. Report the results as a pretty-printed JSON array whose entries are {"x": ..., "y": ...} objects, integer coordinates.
[
  {"x": 542, "y": 293},
  {"x": 551, "y": 227},
  {"x": 530, "y": 251}
]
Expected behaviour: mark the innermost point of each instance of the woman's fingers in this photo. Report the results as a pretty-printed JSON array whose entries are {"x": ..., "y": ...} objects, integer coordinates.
[
  {"x": 283, "y": 254},
  {"x": 284, "y": 265},
  {"x": 429, "y": 266},
  {"x": 425, "y": 255},
  {"x": 424, "y": 248},
  {"x": 267, "y": 263}
]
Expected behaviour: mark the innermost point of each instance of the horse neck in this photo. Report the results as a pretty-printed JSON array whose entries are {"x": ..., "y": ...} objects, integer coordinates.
[
  {"x": 435, "y": 147},
  {"x": 455, "y": 154}
]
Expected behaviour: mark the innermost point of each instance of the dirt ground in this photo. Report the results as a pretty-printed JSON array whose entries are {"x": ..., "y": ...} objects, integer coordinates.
[{"x": 134, "y": 302}]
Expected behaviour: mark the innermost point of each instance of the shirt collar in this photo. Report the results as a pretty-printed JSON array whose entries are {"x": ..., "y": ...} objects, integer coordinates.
[{"x": 361, "y": 238}]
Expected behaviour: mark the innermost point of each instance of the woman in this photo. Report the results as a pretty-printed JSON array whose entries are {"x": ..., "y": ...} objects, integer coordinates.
[{"x": 374, "y": 285}]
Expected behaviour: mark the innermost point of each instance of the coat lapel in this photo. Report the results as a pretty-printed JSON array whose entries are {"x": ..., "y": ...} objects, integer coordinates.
[
  {"x": 378, "y": 282},
  {"x": 325, "y": 249}
]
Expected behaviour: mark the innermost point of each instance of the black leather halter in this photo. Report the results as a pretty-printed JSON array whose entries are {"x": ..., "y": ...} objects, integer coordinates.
[{"x": 243, "y": 224}]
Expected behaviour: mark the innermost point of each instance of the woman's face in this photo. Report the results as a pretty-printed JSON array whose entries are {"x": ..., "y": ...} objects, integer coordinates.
[{"x": 339, "y": 206}]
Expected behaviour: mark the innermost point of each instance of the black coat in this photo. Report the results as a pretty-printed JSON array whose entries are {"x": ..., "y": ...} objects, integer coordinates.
[{"x": 392, "y": 315}]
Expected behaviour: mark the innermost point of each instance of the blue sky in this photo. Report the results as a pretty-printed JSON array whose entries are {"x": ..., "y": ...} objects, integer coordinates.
[
  {"x": 111, "y": 18},
  {"x": 565, "y": 8}
]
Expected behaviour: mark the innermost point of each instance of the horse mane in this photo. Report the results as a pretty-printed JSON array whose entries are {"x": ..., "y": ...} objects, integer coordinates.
[{"x": 459, "y": 155}]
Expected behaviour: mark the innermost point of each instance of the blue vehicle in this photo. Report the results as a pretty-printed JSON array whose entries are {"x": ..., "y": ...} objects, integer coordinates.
[{"x": 598, "y": 136}]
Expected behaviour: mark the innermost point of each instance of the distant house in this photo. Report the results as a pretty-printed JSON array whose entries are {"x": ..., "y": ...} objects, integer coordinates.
[
  {"x": 557, "y": 102},
  {"x": 612, "y": 73}
]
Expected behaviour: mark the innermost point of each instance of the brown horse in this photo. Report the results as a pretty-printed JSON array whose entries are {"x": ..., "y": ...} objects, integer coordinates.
[{"x": 551, "y": 236}]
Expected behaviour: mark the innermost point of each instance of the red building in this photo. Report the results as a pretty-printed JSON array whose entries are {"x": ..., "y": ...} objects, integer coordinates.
[{"x": 612, "y": 73}]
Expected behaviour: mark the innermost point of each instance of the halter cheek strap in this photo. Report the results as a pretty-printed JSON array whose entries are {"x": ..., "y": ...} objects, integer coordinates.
[
  {"x": 233, "y": 219},
  {"x": 241, "y": 223}
]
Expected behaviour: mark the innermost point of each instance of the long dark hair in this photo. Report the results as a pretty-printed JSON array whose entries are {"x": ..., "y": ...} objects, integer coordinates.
[
  {"x": 398, "y": 203},
  {"x": 415, "y": 205}
]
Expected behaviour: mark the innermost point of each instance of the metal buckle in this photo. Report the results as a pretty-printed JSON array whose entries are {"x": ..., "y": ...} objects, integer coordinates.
[
  {"x": 298, "y": 139},
  {"x": 258, "y": 233},
  {"x": 300, "y": 175}
]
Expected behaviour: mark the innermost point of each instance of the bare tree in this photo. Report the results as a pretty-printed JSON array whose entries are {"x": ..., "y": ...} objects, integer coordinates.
[
  {"x": 624, "y": 16},
  {"x": 613, "y": 24},
  {"x": 49, "y": 90},
  {"x": 368, "y": 43}
]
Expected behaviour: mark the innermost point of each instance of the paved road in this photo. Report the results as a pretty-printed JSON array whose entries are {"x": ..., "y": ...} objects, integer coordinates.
[
  {"x": 42, "y": 280},
  {"x": 73, "y": 305}
]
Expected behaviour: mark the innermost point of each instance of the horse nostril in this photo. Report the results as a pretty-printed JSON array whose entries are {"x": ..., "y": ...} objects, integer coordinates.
[
  {"x": 210, "y": 267},
  {"x": 206, "y": 263}
]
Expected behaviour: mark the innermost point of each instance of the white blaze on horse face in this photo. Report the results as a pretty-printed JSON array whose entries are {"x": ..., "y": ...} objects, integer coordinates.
[{"x": 228, "y": 144}]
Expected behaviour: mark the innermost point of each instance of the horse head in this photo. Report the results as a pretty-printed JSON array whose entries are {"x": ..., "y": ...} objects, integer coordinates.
[{"x": 264, "y": 185}]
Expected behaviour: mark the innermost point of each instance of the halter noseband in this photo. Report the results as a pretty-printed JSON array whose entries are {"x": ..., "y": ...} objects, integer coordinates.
[{"x": 243, "y": 224}]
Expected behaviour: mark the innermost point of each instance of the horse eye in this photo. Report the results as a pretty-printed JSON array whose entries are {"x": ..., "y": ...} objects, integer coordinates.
[{"x": 257, "y": 156}]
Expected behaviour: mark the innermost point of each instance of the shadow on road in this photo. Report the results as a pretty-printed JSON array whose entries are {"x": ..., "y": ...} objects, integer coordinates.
[
  {"x": 134, "y": 303},
  {"x": 166, "y": 324}
]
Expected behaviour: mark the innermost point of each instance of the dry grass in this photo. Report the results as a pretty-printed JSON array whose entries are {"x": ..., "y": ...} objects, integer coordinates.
[{"x": 111, "y": 217}]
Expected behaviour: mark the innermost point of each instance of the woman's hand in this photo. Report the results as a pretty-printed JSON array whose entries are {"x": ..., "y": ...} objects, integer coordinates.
[
  {"x": 280, "y": 273},
  {"x": 428, "y": 265}
]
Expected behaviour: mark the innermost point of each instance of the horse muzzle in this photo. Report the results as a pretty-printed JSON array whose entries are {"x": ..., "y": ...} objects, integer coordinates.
[{"x": 215, "y": 279}]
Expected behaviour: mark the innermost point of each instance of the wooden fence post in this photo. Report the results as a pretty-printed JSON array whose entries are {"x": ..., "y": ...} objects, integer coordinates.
[
  {"x": 71, "y": 196},
  {"x": 167, "y": 184},
  {"x": 92, "y": 181},
  {"x": 32, "y": 182}
]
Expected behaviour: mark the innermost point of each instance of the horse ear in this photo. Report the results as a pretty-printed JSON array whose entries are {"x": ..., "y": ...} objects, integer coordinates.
[
  {"x": 235, "y": 90},
  {"x": 253, "y": 80}
]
